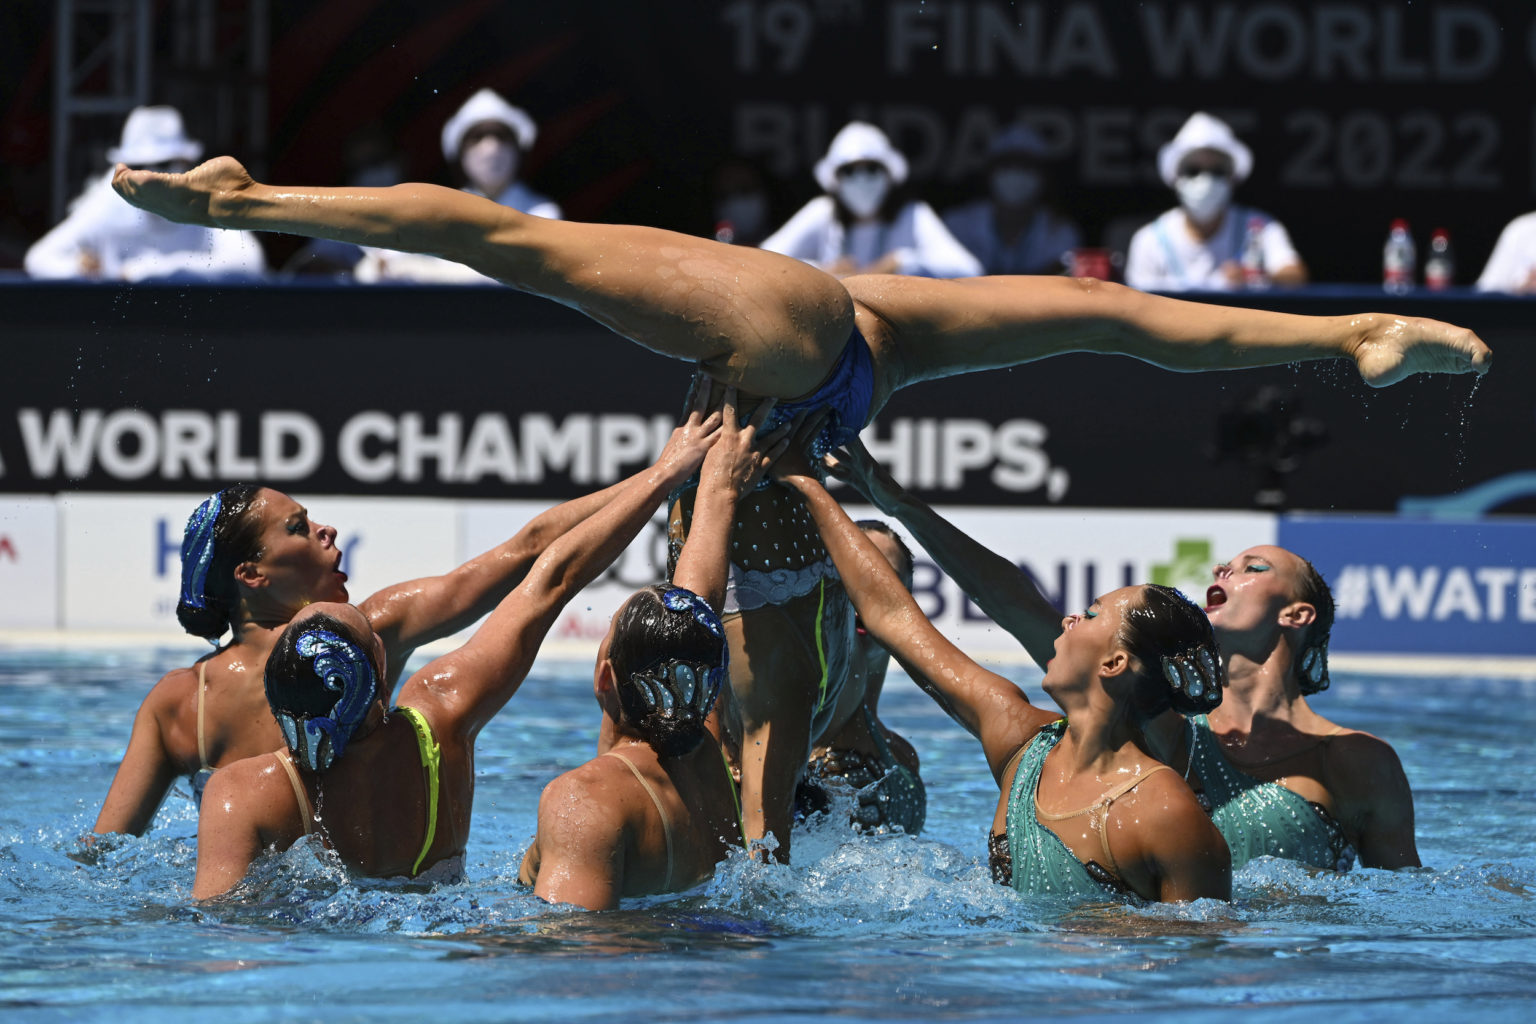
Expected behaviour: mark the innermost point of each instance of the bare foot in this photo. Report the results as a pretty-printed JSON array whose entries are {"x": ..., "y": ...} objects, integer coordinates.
[
  {"x": 1391, "y": 348},
  {"x": 195, "y": 197}
]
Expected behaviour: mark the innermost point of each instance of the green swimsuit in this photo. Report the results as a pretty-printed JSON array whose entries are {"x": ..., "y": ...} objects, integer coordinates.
[
  {"x": 1032, "y": 858},
  {"x": 1264, "y": 818}
]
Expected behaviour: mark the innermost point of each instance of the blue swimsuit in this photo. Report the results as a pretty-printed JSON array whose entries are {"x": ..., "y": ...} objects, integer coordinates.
[{"x": 848, "y": 392}]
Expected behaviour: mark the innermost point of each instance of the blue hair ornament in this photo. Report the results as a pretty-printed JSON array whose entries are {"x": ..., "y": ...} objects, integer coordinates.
[
  {"x": 318, "y": 740},
  {"x": 197, "y": 552},
  {"x": 679, "y": 599}
]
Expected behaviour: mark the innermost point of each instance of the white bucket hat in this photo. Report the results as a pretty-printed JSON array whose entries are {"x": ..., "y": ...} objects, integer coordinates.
[
  {"x": 1202, "y": 131},
  {"x": 487, "y": 105},
  {"x": 858, "y": 141},
  {"x": 154, "y": 135}
]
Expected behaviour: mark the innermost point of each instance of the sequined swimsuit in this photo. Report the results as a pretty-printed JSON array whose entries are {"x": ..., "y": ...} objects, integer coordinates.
[
  {"x": 1033, "y": 859},
  {"x": 888, "y": 792},
  {"x": 1264, "y": 818}
]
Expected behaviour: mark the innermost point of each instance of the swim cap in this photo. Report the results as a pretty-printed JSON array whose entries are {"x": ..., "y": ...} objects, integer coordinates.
[
  {"x": 197, "y": 551},
  {"x": 344, "y": 669}
]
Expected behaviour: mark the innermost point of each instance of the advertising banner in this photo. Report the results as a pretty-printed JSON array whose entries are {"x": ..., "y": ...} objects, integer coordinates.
[
  {"x": 29, "y": 562},
  {"x": 1424, "y": 587}
]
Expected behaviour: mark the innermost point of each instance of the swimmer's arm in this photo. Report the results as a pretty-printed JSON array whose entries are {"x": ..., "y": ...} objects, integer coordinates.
[
  {"x": 1376, "y": 801},
  {"x": 581, "y": 843},
  {"x": 1190, "y": 858},
  {"x": 419, "y": 611},
  {"x": 732, "y": 468},
  {"x": 985, "y": 704},
  {"x": 143, "y": 778},
  {"x": 1000, "y": 588},
  {"x": 473, "y": 683},
  {"x": 247, "y": 807}
]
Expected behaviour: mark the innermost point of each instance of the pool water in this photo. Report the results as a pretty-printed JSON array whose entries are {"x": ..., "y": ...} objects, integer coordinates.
[{"x": 875, "y": 928}]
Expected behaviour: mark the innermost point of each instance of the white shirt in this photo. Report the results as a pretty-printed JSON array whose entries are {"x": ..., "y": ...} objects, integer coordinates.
[
  {"x": 384, "y": 266},
  {"x": 1165, "y": 257},
  {"x": 130, "y": 244},
  {"x": 1513, "y": 259},
  {"x": 1037, "y": 250},
  {"x": 922, "y": 244}
]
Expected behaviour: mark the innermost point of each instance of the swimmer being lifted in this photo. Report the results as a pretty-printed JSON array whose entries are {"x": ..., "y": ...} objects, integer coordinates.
[{"x": 774, "y": 326}]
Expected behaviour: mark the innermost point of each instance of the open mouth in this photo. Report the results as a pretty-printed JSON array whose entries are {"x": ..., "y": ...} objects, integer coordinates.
[{"x": 1215, "y": 597}]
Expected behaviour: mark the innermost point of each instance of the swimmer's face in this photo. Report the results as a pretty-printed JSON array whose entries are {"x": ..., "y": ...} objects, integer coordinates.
[
  {"x": 357, "y": 622},
  {"x": 299, "y": 562},
  {"x": 1249, "y": 594},
  {"x": 1088, "y": 638}
]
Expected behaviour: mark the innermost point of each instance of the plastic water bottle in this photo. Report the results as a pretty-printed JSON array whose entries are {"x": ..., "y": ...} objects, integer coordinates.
[
  {"x": 1439, "y": 265},
  {"x": 1398, "y": 259},
  {"x": 1254, "y": 276}
]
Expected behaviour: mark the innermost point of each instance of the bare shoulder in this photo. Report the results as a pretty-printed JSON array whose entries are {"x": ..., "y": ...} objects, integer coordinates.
[
  {"x": 1361, "y": 755},
  {"x": 255, "y": 790},
  {"x": 582, "y": 807},
  {"x": 177, "y": 685},
  {"x": 1181, "y": 823}
]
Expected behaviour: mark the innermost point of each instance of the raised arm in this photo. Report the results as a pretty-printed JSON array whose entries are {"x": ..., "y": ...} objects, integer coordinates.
[
  {"x": 474, "y": 682},
  {"x": 418, "y": 611},
  {"x": 733, "y": 467},
  {"x": 146, "y": 773},
  {"x": 1000, "y": 588},
  {"x": 985, "y": 704}
]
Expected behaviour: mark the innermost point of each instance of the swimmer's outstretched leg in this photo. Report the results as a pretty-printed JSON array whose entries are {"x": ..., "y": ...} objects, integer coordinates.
[
  {"x": 920, "y": 329},
  {"x": 766, "y": 323}
]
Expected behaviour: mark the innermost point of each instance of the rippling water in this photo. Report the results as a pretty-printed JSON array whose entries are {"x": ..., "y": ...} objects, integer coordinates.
[{"x": 879, "y": 927}]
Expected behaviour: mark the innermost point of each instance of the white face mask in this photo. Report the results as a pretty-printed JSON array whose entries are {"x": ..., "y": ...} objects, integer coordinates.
[
  {"x": 490, "y": 164},
  {"x": 863, "y": 191},
  {"x": 1204, "y": 196},
  {"x": 1016, "y": 186}
]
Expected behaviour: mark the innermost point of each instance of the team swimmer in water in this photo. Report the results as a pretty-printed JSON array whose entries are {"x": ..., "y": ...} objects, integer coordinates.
[
  {"x": 860, "y": 752},
  {"x": 657, "y": 808},
  {"x": 251, "y": 559},
  {"x": 390, "y": 791},
  {"x": 774, "y": 326},
  {"x": 1084, "y": 808},
  {"x": 1279, "y": 779}
]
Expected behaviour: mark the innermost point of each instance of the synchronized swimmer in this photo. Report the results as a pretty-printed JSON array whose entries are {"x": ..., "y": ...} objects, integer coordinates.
[{"x": 831, "y": 351}]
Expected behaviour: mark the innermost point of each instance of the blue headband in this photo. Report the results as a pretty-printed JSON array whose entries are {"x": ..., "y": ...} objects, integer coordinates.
[
  {"x": 318, "y": 740},
  {"x": 197, "y": 552},
  {"x": 679, "y": 599}
]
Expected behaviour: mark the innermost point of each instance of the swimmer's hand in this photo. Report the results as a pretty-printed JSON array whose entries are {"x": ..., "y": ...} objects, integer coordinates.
[
  {"x": 793, "y": 460},
  {"x": 854, "y": 466},
  {"x": 200, "y": 196},
  {"x": 692, "y": 439},
  {"x": 743, "y": 454},
  {"x": 1388, "y": 348}
]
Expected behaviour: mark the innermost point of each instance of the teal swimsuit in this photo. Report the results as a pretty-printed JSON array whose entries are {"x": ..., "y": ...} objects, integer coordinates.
[
  {"x": 1264, "y": 818},
  {"x": 1032, "y": 858}
]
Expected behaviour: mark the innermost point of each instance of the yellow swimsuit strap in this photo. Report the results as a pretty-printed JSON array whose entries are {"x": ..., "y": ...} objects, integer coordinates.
[
  {"x": 736, "y": 796},
  {"x": 431, "y": 764}
]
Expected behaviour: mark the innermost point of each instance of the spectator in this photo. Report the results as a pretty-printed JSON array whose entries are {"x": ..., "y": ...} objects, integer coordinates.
[
  {"x": 739, "y": 202},
  {"x": 1012, "y": 230},
  {"x": 865, "y": 224},
  {"x": 1512, "y": 267},
  {"x": 486, "y": 142},
  {"x": 104, "y": 238},
  {"x": 1198, "y": 245}
]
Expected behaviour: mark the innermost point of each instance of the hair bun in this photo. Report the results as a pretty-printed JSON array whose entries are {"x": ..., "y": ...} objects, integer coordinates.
[{"x": 1196, "y": 679}]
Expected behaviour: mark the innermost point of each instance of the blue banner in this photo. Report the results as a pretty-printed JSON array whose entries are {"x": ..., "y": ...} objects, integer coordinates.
[{"x": 1410, "y": 586}]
